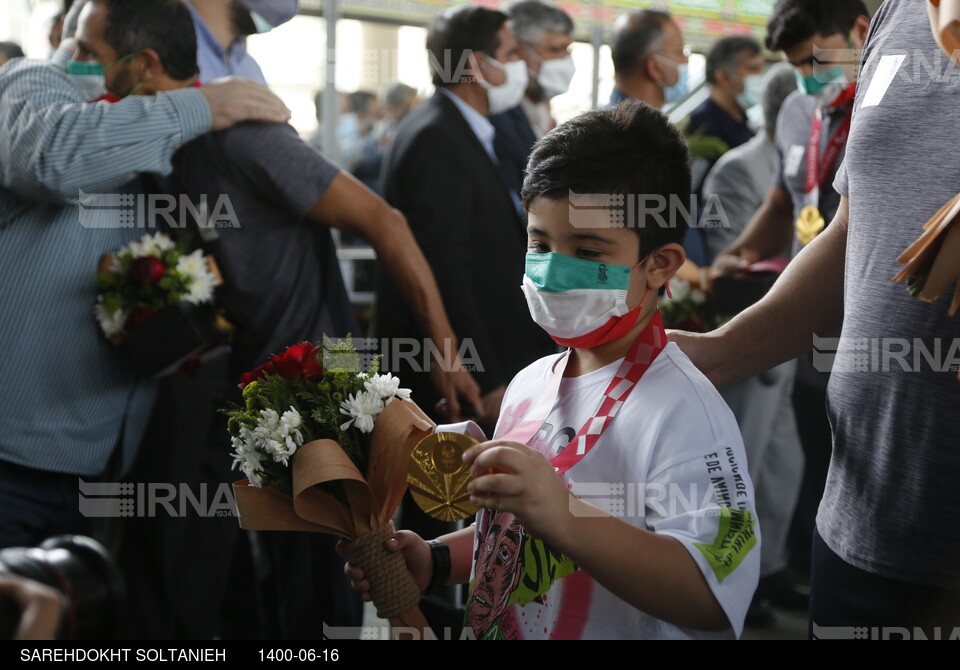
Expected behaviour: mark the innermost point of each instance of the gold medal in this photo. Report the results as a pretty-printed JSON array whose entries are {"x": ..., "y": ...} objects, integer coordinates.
[
  {"x": 438, "y": 477},
  {"x": 810, "y": 224}
]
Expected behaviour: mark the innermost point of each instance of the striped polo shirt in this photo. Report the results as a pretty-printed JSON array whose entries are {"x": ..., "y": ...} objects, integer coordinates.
[{"x": 68, "y": 398}]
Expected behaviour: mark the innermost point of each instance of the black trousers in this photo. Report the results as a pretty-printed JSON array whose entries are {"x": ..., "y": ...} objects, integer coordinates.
[{"x": 849, "y": 603}]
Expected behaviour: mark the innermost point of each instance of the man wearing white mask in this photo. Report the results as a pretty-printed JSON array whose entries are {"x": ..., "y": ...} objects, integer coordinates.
[
  {"x": 649, "y": 59},
  {"x": 545, "y": 33}
]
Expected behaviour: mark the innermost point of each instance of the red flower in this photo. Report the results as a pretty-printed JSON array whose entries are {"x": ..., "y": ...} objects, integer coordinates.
[
  {"x": 148, "y": 269},
  {"x": 300, "y": 360}
]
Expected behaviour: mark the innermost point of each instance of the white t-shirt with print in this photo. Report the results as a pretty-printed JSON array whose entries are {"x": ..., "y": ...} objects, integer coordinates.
[{"x": 671, "y": 462}]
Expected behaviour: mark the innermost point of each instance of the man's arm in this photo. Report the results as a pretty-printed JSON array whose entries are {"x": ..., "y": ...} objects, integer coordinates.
[
  {"x": 349, "y": 205},
  {"x": 52, "y": 144},
  {"x": 807, "y": 299},
  {"x": 768, "y": 234}
]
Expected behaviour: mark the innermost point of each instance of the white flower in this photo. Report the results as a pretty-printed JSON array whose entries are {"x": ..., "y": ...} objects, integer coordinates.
[
  {"x": 149, "y": 245},
  {"x": 679, "y": 288},
  {"x": 698, "y": 297},
  {"x": 387, "y": 387},
  {"x": 111, "y": 323},
  {"x": 200, "y": 280},
  {"x": 247, "y": 456},
  {"x": 362, "y": 409}
]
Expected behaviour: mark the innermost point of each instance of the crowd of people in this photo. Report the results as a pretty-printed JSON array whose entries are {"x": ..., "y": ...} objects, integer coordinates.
[{"x": 812, "y": 491}]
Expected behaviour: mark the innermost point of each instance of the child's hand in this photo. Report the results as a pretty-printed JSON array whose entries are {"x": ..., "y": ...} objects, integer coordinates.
[{"x": 512, "y": 477}]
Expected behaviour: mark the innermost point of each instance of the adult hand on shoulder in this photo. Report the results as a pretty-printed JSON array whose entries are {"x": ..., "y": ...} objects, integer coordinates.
[
  {"x": 234, "y": 100},
  {"x": 512, "y": 477}
]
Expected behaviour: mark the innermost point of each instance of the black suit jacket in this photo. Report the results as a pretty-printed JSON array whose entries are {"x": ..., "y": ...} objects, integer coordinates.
[
  {"x": 513, "y": 144},
  {"x": 460, "y": 210}
]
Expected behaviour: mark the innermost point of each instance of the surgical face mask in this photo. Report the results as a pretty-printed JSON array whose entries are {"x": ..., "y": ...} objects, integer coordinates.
[
  {"x": 752, "y": 92},
  {"x": 89, "y": 78},
  {"x": 509, "y": 94},
  {"x": 579, "y": 303},
  {"x": 268, "y": 14},
  {"x": 555, "y": 76},
  {"x": 824, "y": 86},
  {"x": 679, "y": 90}
]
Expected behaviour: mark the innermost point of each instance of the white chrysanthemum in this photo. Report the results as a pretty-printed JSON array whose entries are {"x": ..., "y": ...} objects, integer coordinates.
[
  {"x": 200, "y": 281},
  {"x": 362, "y": 409},
  {"x": 679, "y": 288},
  {"x": 111, "y": 323},
  {"x": 247, "y": 456},
  {"x": 151, "y": 245},
  {"x": 698, "y": 297},
  {"x": 387, "y": 387}
]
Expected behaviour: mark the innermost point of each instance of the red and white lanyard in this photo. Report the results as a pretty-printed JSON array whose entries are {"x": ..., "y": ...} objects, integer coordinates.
[
  {"x": 641, "y": 355},
  {"x": 819, "y": 169}
]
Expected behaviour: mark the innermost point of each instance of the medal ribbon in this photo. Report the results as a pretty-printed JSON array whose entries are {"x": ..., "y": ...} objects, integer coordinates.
[
  {"x": 818, "y": 171},
  {"x": 641, "y": 355}
]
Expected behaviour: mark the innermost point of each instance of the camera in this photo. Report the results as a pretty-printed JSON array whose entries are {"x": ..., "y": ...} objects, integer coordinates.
[{"x": 81, "y": 571}]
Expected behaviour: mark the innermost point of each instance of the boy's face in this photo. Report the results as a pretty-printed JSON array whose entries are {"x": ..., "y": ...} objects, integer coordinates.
[{"x": 592, "y": 239}]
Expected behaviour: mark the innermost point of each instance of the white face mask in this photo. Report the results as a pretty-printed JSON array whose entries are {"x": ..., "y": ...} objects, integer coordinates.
[
  {"x": 509, "y": 94},
  {"x": 555, "y": 76},
  {"x": 752, "y": 92},
  {"x": 89, "y": 78},
  {"x": 579, "y": 303}
]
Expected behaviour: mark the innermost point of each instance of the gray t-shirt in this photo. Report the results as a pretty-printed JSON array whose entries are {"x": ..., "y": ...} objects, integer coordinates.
[
  {"x": 890, "y": 496},
  {"x": 282, "y": 279},
  {"x": 793, "y": 136}
]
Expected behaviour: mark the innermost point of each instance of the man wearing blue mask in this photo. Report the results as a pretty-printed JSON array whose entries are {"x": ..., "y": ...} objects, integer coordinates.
[
  {"x": 649, "y": 59},
  {"x": 735, "y": 75},
  {"x": 822, "y": 40}
]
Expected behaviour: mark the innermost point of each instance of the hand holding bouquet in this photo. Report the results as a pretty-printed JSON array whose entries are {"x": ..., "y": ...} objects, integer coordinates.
[{"x": 325, "y": 448}]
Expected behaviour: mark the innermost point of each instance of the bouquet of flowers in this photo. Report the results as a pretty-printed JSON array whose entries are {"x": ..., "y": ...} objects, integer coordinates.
[
  {"x": 154, "y": 300},
  {"x": 688, "y": 309},
  {"x": 325, "y": 448},
  {"x": 144, "y": 277},
  {"x": 932, "y": 262}
]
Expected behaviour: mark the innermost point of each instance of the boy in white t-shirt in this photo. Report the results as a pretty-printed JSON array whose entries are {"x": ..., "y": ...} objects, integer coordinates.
[{"x": 615, "y": 496}]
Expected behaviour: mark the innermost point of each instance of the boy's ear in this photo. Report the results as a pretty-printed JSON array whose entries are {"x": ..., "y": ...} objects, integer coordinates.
[{"x": 663, "y": 265}]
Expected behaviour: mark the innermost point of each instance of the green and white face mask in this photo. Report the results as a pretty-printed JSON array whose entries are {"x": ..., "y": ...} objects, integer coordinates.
[
  {"x": 580, "y": 303},
  {"x": 88, "y": 77}
]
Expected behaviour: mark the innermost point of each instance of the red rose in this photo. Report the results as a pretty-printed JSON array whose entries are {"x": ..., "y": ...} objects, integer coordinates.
[
  {"x": 148, "y": 269},
  {"x": 311, "y": 367},
  {"x": 300, "y": 360}
]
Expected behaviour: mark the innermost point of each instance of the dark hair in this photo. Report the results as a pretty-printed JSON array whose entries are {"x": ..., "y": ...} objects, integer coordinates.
[
  {"x": 725, "y": 55},
  {"x": 457, "y": 32},
  {"x": 795, "y": 21},
  {"x": 11, "y": 50},
  {"x": 165, "y": 26},
  {"x": 631, "y": 149},
  {"x": 635, "y": 35},
  {"x": 358, "y": 101}
]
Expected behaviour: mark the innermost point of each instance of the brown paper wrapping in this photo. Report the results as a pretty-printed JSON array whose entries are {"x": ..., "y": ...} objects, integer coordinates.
[{"x": 372, "y": 500}]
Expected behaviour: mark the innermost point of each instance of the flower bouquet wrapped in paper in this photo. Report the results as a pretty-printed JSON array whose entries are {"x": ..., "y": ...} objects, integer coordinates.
[
  {"x": 932, "y": 263},
  {"x": 325, "y": 448},
  {"x": 154, "y": 301}
]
